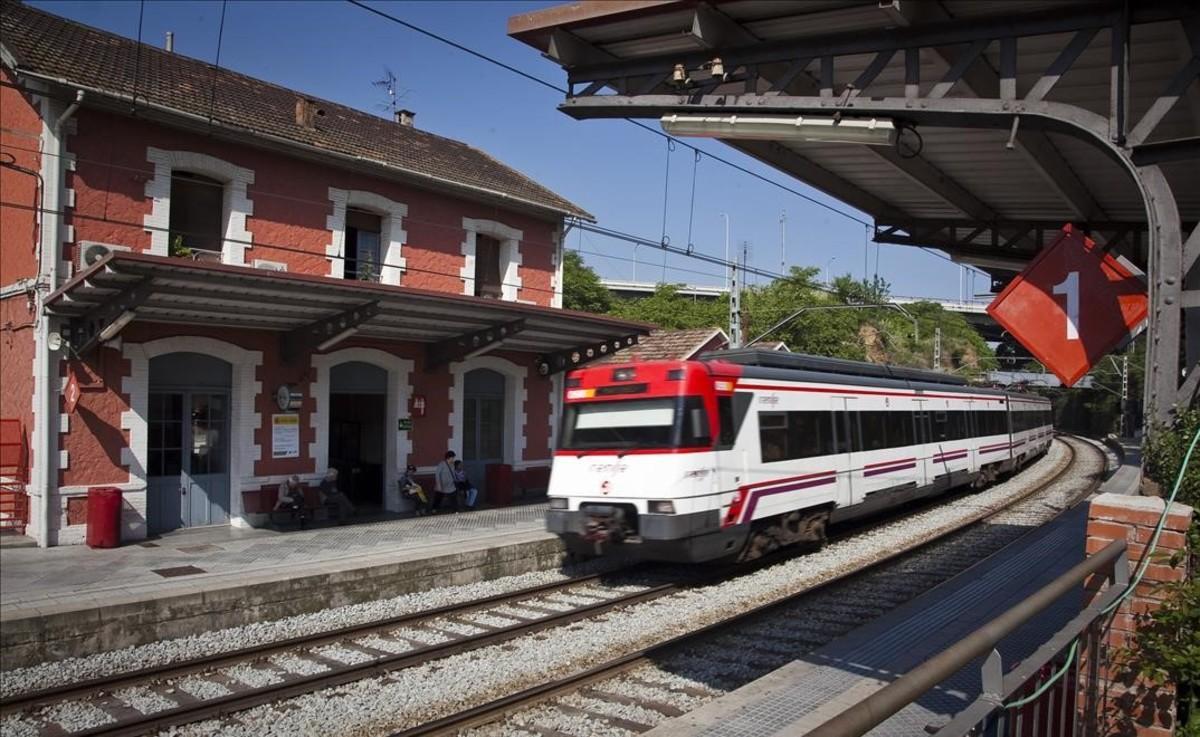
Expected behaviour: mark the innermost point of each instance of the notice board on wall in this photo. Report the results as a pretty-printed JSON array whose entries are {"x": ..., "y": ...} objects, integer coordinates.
[{"x": 285, "y": 435}]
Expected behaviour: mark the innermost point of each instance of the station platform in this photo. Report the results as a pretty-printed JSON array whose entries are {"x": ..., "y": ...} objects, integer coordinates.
[
  {"x": 807, "y": 692},
  {"x": 75, "y": 600}
]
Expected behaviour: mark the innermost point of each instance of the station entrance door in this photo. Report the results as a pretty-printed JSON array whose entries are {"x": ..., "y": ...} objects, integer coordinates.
[
  {"x": 187, "y": 474},
  {"x": 483, "y": 424}
]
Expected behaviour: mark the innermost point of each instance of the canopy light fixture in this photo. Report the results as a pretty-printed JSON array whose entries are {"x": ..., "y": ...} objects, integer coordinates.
[{"x": 869, "y": 131}]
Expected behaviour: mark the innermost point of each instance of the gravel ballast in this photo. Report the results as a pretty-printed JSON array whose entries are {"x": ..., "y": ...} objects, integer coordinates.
[
  {"x": 417, "y": 695},
  {"x": 71, "y": 670}
]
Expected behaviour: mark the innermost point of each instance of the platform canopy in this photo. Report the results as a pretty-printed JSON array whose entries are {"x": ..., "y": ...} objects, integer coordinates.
[
  {"x": 1012, "y": 118},
  {"x": 312, "y": 312}
]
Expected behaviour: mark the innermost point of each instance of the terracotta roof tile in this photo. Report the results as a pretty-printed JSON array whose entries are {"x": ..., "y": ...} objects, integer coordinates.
[
  {"x": 49, "y": 46},
  {"x": 667, "y": 345}
]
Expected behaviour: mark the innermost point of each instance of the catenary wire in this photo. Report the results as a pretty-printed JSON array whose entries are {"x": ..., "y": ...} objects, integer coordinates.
[
  {"x": 699, "y": 151},
  {"x": 312, "y": 254},
  {"x": 259, "y": 193}
]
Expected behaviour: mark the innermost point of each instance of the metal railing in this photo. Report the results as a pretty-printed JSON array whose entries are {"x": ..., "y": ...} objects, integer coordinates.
[
  {"x": 995, "y": 711},
  {"x": 14, "y": 474}
]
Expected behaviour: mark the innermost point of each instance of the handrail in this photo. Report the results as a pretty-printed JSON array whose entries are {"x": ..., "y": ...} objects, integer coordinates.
[{"x": 873, "y": 710}]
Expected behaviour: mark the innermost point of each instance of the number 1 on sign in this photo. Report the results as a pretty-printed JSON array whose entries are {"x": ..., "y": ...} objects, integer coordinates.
[{"x": 1070, "y": 287}]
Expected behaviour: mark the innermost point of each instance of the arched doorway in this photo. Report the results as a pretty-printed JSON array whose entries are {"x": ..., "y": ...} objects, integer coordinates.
[
  {"x": 357, "y": 430},
  {"x": 188, "y": 449},
  {"x": 483, "y": 423}
]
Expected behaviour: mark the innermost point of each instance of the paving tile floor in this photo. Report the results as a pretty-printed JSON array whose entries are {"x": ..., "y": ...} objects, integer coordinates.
[{"x": 49, "y": 576}]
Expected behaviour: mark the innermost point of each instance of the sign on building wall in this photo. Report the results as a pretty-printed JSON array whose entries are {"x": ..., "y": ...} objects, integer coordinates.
[
  {"x": 285, "y": 436},
  {"x": 1072, "y": 305}
]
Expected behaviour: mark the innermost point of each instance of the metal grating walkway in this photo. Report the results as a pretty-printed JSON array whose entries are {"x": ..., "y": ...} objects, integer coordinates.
[{"x": 804, "y": 694}]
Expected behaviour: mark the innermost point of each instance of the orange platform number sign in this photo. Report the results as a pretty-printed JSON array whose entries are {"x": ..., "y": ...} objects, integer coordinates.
[{"x": 1072, "y": 305}]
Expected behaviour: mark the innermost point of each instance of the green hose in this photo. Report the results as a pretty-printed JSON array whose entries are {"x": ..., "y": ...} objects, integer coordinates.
[{"x": 1141, "y": 572}]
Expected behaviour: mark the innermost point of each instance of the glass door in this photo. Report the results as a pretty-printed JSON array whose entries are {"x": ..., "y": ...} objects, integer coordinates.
[{"x": 188, "y": 460}]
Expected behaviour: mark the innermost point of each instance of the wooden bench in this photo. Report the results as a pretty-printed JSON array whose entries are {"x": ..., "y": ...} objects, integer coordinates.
[{"x": 313, "y": 510}]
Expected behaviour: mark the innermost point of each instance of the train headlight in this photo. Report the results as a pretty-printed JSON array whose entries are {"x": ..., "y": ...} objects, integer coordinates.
[
  {"x": 558, "y": 502},
  {"x": 662, "y": 507}
]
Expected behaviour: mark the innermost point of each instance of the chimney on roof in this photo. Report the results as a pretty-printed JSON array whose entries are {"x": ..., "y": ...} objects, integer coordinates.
[
  {"x": 170, "y": 42},
  {"x": 405, "y": 117},
  {"x": 307, "y": 113}
]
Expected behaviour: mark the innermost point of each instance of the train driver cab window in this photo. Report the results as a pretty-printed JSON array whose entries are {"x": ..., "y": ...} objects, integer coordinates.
[
  {"x": 731, "y": 413},
  {"x": 669, "y": 422}
]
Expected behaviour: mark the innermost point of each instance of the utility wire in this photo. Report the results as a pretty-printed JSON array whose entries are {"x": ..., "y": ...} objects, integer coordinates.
[
  {"x": 564, "y": 91},
  {"x": 698, "y": 151},
  {"x": 212, "y": 98}
]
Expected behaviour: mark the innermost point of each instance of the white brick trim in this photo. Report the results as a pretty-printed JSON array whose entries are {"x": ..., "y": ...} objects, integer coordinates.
[
  {"x": 237, "y": 205},
  {"x": 244, "y": 419},
  {"x": 392, "y": 234},
  {"x": 556, "y": 260},
  {"x": 515, "y": 395},
  {"x": 399, "y": 390},
  {"x": 510, "y": 255}
]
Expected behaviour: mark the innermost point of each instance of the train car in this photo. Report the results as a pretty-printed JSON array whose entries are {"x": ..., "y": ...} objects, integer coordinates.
[{"x": 744, "y": 451}]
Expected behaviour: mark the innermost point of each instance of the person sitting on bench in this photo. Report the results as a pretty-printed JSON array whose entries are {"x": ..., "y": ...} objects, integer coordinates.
[
  {"x": 333, "y": 497},
  {"x": 291, "y": 498}
]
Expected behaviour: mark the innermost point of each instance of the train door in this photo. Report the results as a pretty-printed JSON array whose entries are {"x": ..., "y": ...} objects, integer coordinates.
[
  {"x": 845, "y": 424},
  {"x": 925, "y": 448}
]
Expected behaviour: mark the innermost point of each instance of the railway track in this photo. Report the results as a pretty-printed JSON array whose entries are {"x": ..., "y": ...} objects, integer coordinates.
[
  {"x": 220, "y": 685},
  {"x": 637, "y": 691}
]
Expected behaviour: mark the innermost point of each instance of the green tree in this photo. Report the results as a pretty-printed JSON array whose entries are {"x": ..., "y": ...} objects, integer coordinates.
[
  {"x": 582, "y": 289},
  {"x": 669, "y": 309}
]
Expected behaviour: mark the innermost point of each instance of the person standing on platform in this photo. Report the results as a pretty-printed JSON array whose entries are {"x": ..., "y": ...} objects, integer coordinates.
[
  {"x": 333, "y": 496},
  {"x": 463, "y": 484},
  {"x": 444, "y": 483}
]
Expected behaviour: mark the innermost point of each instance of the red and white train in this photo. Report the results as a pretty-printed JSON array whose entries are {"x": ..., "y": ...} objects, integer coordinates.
[{"x": 745, "y": 451}]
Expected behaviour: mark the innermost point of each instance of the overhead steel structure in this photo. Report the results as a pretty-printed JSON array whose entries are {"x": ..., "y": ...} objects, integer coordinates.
[{"x": 1015, "y": 117}]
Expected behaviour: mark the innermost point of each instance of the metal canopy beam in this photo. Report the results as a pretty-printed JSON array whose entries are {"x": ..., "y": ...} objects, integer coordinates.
[
  {"x": 787, "y": 159},
  {"x": 571, "y": 50},
  {"x": 714, "y": 29},
  {"x": 572, "y": 358},
  {"x": 105, "y": 321},
  {"x": 947, "y": 33},
  {"x": 959, "y": 43},
  {"x": 471, "y": 344},
  {"x": 326, "y": 332},
  {"x": 1176, "y": 149}
]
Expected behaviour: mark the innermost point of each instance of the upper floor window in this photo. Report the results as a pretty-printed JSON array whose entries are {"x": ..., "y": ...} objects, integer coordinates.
[
  {"x": 363, "y": 253},
  {"x": 488, "y": 279},
  {"x": 197, "y": 216}
]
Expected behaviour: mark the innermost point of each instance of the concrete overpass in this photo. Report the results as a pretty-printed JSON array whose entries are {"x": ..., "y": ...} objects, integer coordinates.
[{"x": 973, "y": 310}]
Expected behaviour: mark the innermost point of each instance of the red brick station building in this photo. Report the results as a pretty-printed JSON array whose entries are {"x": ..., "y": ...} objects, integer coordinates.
[{"x": 209, "y": 283}]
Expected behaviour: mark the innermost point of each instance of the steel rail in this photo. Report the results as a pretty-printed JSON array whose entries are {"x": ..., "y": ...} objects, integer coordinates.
[
  {"x": 239, "y": 701},
  {"x": 218, "y": 660},
  {"x": 498, "y": 708}
]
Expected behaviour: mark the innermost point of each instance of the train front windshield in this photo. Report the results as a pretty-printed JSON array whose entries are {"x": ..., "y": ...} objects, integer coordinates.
[{"x": 632, "y": 424}]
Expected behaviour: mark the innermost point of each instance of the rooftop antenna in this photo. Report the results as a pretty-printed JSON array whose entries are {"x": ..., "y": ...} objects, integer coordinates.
[{"x": 388, "y": 84}]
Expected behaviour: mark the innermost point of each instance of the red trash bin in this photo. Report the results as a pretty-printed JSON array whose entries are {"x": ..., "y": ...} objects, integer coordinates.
[
  {"x": 499, "y": 484},
  {"x": 104, "y": 517}
]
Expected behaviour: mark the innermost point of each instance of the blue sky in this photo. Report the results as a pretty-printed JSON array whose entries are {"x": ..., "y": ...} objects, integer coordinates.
[{"x": 613, "y": 169}]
